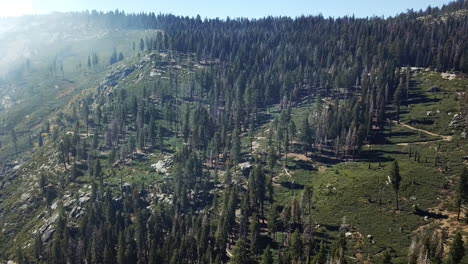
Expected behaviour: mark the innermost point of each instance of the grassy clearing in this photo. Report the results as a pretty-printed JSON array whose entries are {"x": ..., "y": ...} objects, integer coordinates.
[
  {"x": 353, "y": 189},
  {"x": 430, "y": 110}
]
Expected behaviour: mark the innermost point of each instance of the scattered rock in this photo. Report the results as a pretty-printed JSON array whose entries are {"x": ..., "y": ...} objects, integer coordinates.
[
  {"x": 76, "y": 212},
  {"x": 25, "y": 196},
  {"x": 457, "y": 121},
  {"x": 463, "y": 135},
  {"x": 84, "y": 199},
  {"x": 163, "y": 166},
  {"x": 48, "y": 234}
]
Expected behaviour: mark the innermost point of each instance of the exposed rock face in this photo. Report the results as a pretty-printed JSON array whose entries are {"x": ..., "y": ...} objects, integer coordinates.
[
  {"x": 48, "y": 233},
  {"x": 457, "y": 121},
  {"x": 113, "y": 78},
  {"x": 163, "y": 165}
]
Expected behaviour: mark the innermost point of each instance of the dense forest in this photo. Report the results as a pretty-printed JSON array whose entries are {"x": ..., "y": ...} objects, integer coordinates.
[{"x": 353, "y": 76}]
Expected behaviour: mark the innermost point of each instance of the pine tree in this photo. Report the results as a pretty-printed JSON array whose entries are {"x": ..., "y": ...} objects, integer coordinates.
[
  {"x": 132, "y": 145},
  {"x": 267, "y": 257},
  {"x": 461, "y": 191},
  {"x": 457, "y": 249},
  {"x": 296, "y": 246},
  {"x": 273, "y": 221},
  {"x": 397, "y": 96},
  {"x": 306, "y": 134},
  {"x": 236, "y": 148},
  {"x": 396, "y": 180},
  {"x": 85, "y": 114},
  {"x": 387, "y": 259},
  {"x": 142, "y": 45},
  {"x": 14, "y": 140},
  {"x": 240, "y": 254},
  {"x": 38, "y": 247},
  {"x": 121, "y": 249},
  {"x": 98, "y": 169},
  {"x": 109, "y": 257},
  {"x": 254, "y": 234},
  {"x": 321, "y": 256},
  {"x": 251, "y": 135},
  {"x": 20, "y": 259}
]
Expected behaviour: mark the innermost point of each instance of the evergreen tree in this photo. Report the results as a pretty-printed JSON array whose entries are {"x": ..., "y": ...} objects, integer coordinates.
[
  {"x": 306, "y": 134},
  {"x": 461, "y": 191},
  {"x": 142, "y": 45},
  {"x": 267, "y": 257},
  {"x": 240, "y": 254},
  {"x": 296, "y": 246},
  {"x": 121, "y": 249},
  {"x": 457, "y": 249},
  {"x": 396, "y": 180},
  {"x": 397, "y": 97},
  {"x": 321, "y": 256},
  {"x": 254, "y": 234},
  {"x": 387, "y": 259},
  {"x": 14, "y": 140},
  {"x": 236, "y": 148}
]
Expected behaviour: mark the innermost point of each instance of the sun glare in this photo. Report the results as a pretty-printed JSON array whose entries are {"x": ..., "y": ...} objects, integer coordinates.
[{"x": 16, "y": 8}]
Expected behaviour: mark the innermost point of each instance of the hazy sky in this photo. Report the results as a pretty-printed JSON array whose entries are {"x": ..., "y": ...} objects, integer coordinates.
[{"x": 222, "y": 8}]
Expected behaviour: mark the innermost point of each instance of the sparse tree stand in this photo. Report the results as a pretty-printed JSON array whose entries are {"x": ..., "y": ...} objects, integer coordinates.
[
  {"x": 461, "y": 191},
  {"x": 396, "y": 181}
]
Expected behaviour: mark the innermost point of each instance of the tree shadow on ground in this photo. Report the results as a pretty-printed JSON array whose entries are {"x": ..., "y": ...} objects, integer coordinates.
[
  {"x": 292, "y": 185},
  {"x": 423, "y": 213}
]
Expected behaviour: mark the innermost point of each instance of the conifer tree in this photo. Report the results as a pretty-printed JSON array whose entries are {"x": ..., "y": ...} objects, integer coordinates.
[
  {"x": 396, "y": 180},
  {"x": 296, "y": 246},
  {"x": 267, "y": 257},
  {"x": 236, "y": 148},
  {"x": 121, "y": 249},
  {"x": 461, "y": 191},
  {"x": 240, "y": 254}
]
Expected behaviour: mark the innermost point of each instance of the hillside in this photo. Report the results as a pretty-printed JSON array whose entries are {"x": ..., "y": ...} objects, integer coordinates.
[{"x": 161, "y": 139}]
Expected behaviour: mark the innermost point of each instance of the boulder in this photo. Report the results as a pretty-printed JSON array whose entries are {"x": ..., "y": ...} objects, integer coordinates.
[
  {"x": 47, "y": 235},
  {"x": 463, "y": 135},
  {"x": 162, "y": 166},
  {"x": 159, "y": 167}
]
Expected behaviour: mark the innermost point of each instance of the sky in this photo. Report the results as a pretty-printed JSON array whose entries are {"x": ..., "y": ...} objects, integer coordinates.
[{"x": 222, "y": 8}]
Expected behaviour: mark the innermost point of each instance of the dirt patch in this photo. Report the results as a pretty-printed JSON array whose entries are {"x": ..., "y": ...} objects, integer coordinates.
[
  {"x": 450, "y": 222},
  {"x": 298, "y": 156},
  {"x": 322, "y": 169},
  {"x": 416, "y": 143},
  {"x": 444, "y": 138},
  {"x": 448, "y": 76}
]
